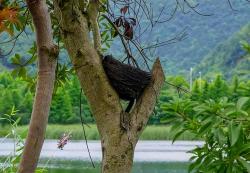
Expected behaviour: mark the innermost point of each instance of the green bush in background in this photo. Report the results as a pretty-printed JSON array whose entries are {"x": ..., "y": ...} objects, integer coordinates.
[{"x": 65, "y": 103}]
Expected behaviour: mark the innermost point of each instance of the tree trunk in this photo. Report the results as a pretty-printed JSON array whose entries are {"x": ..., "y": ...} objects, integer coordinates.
[
  {"x": 118, "y": 143},
  {"x": 47, "y": 53},
  {"x": 117, "y": 156}
]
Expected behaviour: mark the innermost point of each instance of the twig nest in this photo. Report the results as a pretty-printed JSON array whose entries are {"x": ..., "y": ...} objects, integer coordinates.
[{"x": 128, "y": 81}]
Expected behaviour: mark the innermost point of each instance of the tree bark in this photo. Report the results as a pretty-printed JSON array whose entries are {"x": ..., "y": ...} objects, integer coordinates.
[
  {"x": 118, "y": 144},
  {"x": 47, "y": 54}
]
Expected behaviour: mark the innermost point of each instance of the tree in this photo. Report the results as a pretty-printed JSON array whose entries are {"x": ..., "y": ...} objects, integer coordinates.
[
  {"x": 235, "y": 87},
  {"x": 219, "y": 88},
  {"x": 118, "y": 144},
  {"x": 61, "y": 109},
  {"x": 77, "y": 20},
  {"x": 47, "y": 53},
  {"x": 205, "y": 91},
  {"x": 196, "y": 93}
]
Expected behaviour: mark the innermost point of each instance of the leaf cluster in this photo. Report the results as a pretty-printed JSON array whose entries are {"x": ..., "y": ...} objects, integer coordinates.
[{"x": 223, "y": 125}]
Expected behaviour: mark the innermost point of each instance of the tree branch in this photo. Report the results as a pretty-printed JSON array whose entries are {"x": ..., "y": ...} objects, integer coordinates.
[
  {"x": 93, "y": 12},
  {"x": 103, "y": 100},
  {"x": 129, "y": 54},
  {"x": 145, "y": 105}
]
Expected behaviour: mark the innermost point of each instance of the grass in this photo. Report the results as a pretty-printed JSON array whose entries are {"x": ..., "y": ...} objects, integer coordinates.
[{"x": 55, "y": 131}]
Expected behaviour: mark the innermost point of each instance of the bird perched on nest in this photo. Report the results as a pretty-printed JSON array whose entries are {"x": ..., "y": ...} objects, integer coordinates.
[{"x": 128, "y": 81}]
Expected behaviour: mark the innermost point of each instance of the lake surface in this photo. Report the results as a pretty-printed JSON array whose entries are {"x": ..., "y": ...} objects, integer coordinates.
[
  {"x": 64, "y": 166},
  {"x": 145, "y": 151},
  {"x": 150, "y": 156}
]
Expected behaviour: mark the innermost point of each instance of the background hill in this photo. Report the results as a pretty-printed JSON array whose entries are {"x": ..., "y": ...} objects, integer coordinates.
[
  {"x": 204, "y": 35},
  {"x": 228, "y": 58}
]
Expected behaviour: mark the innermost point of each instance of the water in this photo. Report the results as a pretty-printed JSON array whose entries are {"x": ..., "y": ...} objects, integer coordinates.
[
  {"x": 145, "y": 151},
  {"x": 73, "y": 166},
  {"x": 150, "y": 156}
]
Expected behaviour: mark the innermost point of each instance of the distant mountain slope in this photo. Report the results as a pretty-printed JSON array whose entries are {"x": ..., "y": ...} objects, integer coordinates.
[
  {"x": 2, "y": 68},
  {"x": 228, "y": 58},
  {"x": 204, "y": 33}
]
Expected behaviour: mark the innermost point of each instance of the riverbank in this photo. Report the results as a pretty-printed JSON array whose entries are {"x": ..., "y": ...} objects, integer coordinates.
[{"x": 151, "y": 132}]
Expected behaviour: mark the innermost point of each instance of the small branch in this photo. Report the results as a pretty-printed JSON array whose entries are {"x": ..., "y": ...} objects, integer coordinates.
[
  {"x": 231, "y": 5},
  {"x": 122, "y": 39},
  {"x": 178, "y": 88},
  {"x": 194, "y": 8},
  {"x": 93, "y": 13}
]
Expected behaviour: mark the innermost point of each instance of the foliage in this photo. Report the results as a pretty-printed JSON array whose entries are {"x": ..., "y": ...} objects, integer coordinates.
[
  {"x": 222, "y": 124},
  {"x": 11, "y": 162},
  {"x": 218, "y": 113},
  {"x": 13, "y": 92},
  {"x": 54, "y": 131},
  {"x": 8, "y": 18},
  {"x": 65, "y": 104}
]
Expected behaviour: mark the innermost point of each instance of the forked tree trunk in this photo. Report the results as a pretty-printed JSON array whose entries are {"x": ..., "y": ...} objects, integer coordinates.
[
  {"x": 47, "y": 53},
  {"x": 117, "y": 143}
]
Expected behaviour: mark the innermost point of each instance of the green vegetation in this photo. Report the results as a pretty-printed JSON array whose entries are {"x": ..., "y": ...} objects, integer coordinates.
[
  {"x": 222, "y": 124},
  {"x": 219, "y": 115},
  {"x": 215, "y": 110},
  {"x": 56, "y": 131},
  {"x": 65, "y": 104},
  {"x": 10, "y": 163}
]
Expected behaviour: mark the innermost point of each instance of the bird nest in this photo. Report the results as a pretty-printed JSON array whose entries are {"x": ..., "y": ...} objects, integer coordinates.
[{"x": 128, "y": 81}]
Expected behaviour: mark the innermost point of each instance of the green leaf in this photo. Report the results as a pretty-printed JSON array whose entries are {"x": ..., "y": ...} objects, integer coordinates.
[
  {"x": 206, "y": 127},
  {"x": 244, "y": 148},
  {"x": 178, "y": 134},
  {"x": 245, "y": 164},
  {"x": 22, "y": 72},
  {"x": 220, "y": 136},
  {"x": 241, "y": 102},
  {"x": 16, "y": 60},
  {"x": 15, "y": 72},
  {"x": 245, "y": 45},
  {"x": 192, "y": 166},
  {"x": 177, "y": 127},
  {"x": 243, "y": 113},
  {"x": 234, "y": 132},
  {"x": 230, "y": 112}
]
